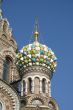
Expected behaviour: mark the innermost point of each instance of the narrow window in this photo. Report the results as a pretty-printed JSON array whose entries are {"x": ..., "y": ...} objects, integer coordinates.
[
  {"x": 24, "y": 86},
  {"x": 30, "y": 85},
  {"x": 43, "y": 85},
  {"x": 19, "y": 87},
  {"x": 6, "y": 68}
]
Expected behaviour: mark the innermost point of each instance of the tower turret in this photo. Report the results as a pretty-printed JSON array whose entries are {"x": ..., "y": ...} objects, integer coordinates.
[{"x": 36, "y": 63}]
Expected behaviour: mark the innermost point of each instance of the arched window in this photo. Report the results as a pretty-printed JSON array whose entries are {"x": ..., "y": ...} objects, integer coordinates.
[
  {"x": 43, "y": 85},
  {"x": 6, "y": 67},
  {"x": 0, "y": 106},
  {"x": 30, "y": 85},
  {"x": 24, "y": 86}
]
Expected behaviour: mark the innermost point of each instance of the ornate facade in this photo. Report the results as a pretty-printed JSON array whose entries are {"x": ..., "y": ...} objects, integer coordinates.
[{"x": 25, "y": 76}]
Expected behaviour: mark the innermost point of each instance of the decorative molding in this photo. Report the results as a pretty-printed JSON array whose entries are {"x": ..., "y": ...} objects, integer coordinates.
[
  {"x": 8, "y": 52},
  {"x": 12, "y": 94},
  {"x": 35, "y": 69},
  {"x": 54, "y": 103}
]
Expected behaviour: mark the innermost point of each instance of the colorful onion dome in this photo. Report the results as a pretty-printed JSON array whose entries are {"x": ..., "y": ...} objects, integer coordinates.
[{"x": 36, "y": 54}]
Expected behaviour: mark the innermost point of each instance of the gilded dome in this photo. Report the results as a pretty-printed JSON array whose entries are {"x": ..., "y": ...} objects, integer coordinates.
[{"x": 36, "y": 54}]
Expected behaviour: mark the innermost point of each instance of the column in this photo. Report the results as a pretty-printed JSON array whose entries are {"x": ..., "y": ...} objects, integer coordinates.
[
  {"x": 33, "y": 85},
  {"x": 1, "y": 66},
  {"x": 40, "y": 85},
  {"x": 46, "y": 87},
  {"x": 50, "y": 89},
  {"x": 26, "y": 86},
  {"x": 12, "y": 72},
  {"x": 12, "y": 75},
  {"x": 22, "y": 88}
]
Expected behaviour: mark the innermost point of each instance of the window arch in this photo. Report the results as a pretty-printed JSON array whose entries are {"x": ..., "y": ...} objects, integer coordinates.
[
  {"x": 30, "y": 85},
  {"x": 7, "y": 67},
  {"x": 43, "y": 85},
  {"x": 0, "y": 106}
]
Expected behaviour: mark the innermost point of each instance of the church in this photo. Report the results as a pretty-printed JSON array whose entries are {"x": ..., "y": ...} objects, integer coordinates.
[{"x": 25, "y": 75}]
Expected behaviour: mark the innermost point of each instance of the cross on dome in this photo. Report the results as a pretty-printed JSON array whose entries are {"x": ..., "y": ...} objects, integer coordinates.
[{"x": 36, "y": 33}]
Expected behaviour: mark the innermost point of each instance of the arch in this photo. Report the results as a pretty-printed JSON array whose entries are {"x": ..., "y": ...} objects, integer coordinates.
[
  {"x": 2, "y": 102},
  {"x": 0, "y": 106},
  {"x": 7, "y": 67},
  {"x": 12, "y": 42},
  {"x": 8, "y": 52},
  {"x": 4, "y": 36},
  {"x": 37, "y": 85},
  {"x": 9, "y": 93},
  {"x": 43, "y": 85},
  {"x": 29, "y": 85},
  {"x": 37, "y": 102}
]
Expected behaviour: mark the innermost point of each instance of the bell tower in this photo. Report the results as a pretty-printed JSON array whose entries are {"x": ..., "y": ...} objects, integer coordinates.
[{"x": 36, "y": 64}]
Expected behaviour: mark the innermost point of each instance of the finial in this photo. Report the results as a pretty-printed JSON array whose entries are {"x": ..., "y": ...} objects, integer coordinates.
[
  {"x": 0, "y": 9},
  {"x": 36, "y": 33}
]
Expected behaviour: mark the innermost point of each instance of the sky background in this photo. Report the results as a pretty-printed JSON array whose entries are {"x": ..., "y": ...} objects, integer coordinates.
[{"x": 55, "y": 19}]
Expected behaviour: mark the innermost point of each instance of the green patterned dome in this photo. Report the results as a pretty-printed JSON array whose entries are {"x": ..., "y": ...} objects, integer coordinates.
[{"x": 36, "y": 54}]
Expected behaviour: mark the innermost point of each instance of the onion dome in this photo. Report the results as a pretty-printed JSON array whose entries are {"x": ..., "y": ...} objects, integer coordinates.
[{"x": 36, "y": 54}]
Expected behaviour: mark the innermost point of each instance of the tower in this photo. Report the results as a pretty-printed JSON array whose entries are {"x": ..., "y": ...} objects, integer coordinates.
[{"x": 36, "y": 64}]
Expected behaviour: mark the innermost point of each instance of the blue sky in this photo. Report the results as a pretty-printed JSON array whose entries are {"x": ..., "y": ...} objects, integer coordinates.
[{"x": 55, "y": 19}]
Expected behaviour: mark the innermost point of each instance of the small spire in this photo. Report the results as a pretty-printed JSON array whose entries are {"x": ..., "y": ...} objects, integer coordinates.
[
  {"x": 1, "y": 14},
  {"x": 36, "y": 33}
]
